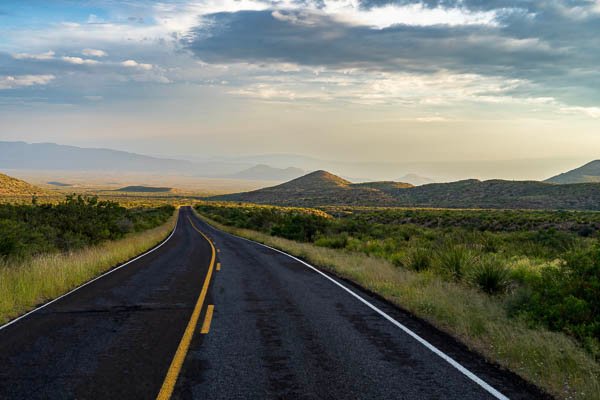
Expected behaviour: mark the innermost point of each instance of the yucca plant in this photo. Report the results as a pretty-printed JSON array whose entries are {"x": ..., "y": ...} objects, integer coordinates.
[
  {"x": 454, "y": 261},
  {"x": 418, "y": 259},
  {"x": 490, "y": 275}
]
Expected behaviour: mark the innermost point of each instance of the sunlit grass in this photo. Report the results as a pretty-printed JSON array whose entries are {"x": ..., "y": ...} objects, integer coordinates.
[
  {"x": 25, "y": 284},
  {"x": 553, "y": 361}
]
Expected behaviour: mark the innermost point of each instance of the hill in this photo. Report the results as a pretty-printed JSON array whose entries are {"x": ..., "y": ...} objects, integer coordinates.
[
  {"x": 322, "y": 188},
  {"x": 145, "y": 189},
  {"x": 587, "y": 173},
  {"x": 262, "y": 172},
  {"x": 319, "y": 188},
  {"x": 10, "y": 186}
]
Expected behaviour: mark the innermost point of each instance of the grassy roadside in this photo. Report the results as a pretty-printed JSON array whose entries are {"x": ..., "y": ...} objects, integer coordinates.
[
  {"x": 25, "y": 284},
  {"x": 550, "y": 360}
]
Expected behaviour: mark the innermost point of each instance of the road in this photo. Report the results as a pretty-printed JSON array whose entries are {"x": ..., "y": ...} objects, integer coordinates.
[{"x": 278, "y": 329}]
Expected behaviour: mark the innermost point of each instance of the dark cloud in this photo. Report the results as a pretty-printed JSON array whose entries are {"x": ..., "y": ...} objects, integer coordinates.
[{"x": 554, "y": 47}]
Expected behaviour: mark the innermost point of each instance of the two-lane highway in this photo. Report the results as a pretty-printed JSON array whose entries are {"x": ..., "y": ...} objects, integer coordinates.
[{"x": 233, "y": 320}]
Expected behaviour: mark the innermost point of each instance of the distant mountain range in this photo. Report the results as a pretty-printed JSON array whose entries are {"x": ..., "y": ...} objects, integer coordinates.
[
  {"x": 21, "y": 155},
  {"x": 267, "y": 173},
  {"x": 51, "y": 156},
  {"x": 590, "y": 172},
  {"x": 323, "y": 188}
]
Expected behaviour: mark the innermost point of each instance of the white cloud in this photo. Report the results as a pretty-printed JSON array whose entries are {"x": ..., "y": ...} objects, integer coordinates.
[
  {"x": 79, "y": 61},
  {"x": 94, "y": 53},
  {"x": 49, "y": 55},
  {"x": 13, "y": 82},
  {"x": 417, "y": 14},
  {"x": 135, "y": 64},
  {"x": 592, "y": 112}
]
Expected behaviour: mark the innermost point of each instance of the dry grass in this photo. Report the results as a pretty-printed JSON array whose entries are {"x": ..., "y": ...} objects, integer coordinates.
[
  {"x": 40, "y": 279},
  {"x": 552, "y": 361}
]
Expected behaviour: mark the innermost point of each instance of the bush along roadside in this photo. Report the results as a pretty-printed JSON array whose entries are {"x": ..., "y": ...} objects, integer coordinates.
[{"x": 530, "y": 310}]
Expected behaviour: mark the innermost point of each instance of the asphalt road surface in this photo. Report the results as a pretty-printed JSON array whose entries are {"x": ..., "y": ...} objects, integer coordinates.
[{"x": 234, "y": 320}]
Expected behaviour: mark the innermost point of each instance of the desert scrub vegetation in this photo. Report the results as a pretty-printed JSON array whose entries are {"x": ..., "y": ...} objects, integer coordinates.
[
  {"x": 527, "y": 299},
  {"x": 75, "y": 222},
  {"x": 46, "y": 250}
]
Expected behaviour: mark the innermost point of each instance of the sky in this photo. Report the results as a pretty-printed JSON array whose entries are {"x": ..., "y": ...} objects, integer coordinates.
[{"x": 355, "y": 81}]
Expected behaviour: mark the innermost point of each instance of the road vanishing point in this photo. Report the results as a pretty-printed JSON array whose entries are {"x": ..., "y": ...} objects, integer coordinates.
[{"x": 207, "y": 315}]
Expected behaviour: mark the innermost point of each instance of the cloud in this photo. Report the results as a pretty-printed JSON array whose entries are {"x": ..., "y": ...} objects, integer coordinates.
[
  {"x": 135, "y": 64},
  {"x": 416, "y": 14},
  {"x": 94, "y": 53},
  {"x": 592, "y": 112},
  {"x": 501, "y": 38},
  {"x": 18, "y": 81},
  {"x": 49, "y": 55},
  {"x": 79, "y": 61}
]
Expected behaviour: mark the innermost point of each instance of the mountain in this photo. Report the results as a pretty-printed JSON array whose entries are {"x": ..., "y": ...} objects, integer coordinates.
[
  {"x": 322, "y": 188},
  {"x": 590, "y": 172},
  {"x": 50, "y": 156},
  {"x": 10, "y": 186},
  {"x": 262, "y": 172},
  {"x": 416, "y": 180}
]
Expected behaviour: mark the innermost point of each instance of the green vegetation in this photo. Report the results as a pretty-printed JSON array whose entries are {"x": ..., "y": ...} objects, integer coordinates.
[
  {"x": 521, "y": 287},
  {"x": 47, "y": 250},
  {"x": 28, "y": 230},
  {"x": 321, "y": 188}
]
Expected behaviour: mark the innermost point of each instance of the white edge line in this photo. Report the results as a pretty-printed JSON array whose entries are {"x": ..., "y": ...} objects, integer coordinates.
[
  {"x": 93, "y": 280},
  {"x": 412, "y": 334}
]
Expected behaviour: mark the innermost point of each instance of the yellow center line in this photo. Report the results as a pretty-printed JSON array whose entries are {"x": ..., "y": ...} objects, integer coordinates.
[
  {"x": 175, "y": 368},
  {"x": 207, "y": 319},
  {"x": 218, "y": 266}
]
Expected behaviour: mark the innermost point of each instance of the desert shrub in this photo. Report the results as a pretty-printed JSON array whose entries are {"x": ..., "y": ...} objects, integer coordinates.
[
  {"x": 398, "y": 259},
  {"x": 418, "y": 259},
  {"x": 453, "y": 261},
  {"x": 567, "y": 297},
  {"x": 490, "y": 275},
  {"x": 335, "y": 242},
  {"x": 27, "y": 230}
]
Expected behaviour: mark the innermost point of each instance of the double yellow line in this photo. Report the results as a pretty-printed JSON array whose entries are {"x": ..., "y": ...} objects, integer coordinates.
[{"x": 175, "y": 368}]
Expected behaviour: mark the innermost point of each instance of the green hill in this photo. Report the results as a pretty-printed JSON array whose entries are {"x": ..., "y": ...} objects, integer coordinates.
[
  {"x": 322, "y": 188},
  {"x": 144, "y": 189},
  {"x": 588, "y": 173},
  {"x": 10, "y": 186}
]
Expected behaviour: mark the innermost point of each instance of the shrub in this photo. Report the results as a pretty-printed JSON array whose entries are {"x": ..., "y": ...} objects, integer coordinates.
[
  {"x": 76, "y": 222},
  {"x": 453, "y": 261},
  {"x": 490, "y": 275},
  {"x": 567, "y": 297},
  {"x": 334, "y": 242},
  {"x": 418, "y": 259}
]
